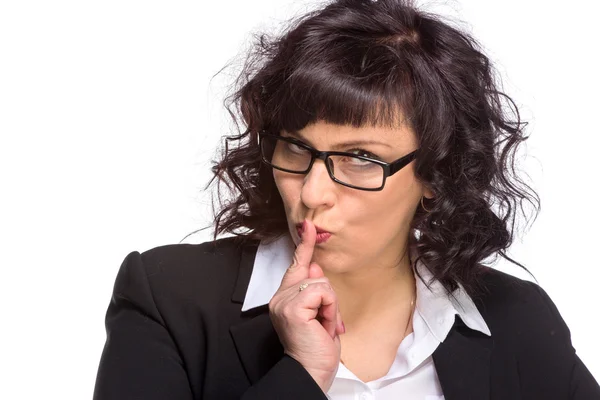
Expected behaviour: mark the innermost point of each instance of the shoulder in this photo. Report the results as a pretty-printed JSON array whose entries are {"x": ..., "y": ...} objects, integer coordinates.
[
  {"x": 183, "y": 275},
  {"x": 500, "y": 292},
  {"x": 504, "y": 294},
  {"x": 521, "y": 314},
  {"x": 529, "y": 333},
  {"x": 221, "y": 256}
]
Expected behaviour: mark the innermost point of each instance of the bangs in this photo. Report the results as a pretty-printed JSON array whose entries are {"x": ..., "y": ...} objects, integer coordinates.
[{"x": 337, "y": 94}]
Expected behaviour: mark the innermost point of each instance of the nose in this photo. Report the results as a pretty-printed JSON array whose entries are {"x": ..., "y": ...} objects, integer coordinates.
[{"x": 318, "y": 188}]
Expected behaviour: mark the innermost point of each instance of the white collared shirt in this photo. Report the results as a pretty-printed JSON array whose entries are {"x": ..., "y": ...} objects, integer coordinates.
[{"x": 412, "y": 375}]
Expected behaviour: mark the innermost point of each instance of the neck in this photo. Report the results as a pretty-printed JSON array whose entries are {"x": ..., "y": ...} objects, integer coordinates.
[{"x": 373, "y": 292}]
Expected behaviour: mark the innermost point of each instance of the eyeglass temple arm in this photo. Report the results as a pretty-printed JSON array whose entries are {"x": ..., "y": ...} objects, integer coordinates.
[{"x": 401, "y": 163}]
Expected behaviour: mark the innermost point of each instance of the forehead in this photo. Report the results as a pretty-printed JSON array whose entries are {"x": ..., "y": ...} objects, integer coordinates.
[{"x": 326, "y": 135}]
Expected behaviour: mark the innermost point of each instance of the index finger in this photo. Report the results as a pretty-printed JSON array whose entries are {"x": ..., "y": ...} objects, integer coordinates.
[{"x": 302, "y": 256}]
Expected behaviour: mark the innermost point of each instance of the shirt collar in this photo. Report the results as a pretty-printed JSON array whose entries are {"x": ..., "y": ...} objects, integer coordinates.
[
  {"x": 435, "y": 306},
  {"x": 438, "y": 308}
]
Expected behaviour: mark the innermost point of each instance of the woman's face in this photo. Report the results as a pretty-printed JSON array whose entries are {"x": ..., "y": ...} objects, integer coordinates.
[{"x": 368, "y": 229}]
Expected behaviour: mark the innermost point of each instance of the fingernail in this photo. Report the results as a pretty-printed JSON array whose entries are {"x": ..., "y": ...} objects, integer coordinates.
[
  {"x": 343, "y": 327},
  {"x": 303, "y": 227}
]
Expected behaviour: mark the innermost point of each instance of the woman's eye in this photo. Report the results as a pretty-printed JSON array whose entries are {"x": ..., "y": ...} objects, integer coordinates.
[
  {"x": 364, "y": 153},
  {"x": 295, "y": 148}
]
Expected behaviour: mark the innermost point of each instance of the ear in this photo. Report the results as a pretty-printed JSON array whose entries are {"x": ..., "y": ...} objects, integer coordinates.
[{"x": 427, "y": 192}]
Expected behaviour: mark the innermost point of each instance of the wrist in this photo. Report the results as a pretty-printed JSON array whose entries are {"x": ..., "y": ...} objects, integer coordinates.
[{"x": 322, "y": 378}]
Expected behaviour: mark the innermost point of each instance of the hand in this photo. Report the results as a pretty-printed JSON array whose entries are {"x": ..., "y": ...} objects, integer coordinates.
[{"x": 308, "y": 322}]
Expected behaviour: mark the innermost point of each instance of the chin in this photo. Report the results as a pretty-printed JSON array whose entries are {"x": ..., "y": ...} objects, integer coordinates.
[{"x": 329, "y": 261}]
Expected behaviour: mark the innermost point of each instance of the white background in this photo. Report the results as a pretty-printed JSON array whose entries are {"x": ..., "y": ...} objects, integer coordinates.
[{"x": 109, "y": 117}]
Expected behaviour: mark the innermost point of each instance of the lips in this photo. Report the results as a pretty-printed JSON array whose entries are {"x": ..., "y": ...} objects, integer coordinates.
[
  {"x": 319, "y": 230},
  {"x": 322, "y": 235}
]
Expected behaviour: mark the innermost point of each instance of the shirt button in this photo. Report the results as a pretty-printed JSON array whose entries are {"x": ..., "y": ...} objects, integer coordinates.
[{"x": 365, "y": 396}]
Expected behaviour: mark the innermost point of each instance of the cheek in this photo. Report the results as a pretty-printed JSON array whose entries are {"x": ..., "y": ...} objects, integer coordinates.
[
  {"x": 287, "y": 187},
  {"x": 395, "y": 206}
]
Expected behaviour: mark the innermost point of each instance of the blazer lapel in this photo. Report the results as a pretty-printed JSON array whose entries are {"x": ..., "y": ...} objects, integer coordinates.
[
  {"x": 462, "y": 362},
  {"x": 257, "y": 344},
  {"x": 255, "y": 339}
]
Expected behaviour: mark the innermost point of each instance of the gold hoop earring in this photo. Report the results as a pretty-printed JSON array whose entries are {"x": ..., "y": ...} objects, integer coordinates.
[{"x": 423, "y": 205}]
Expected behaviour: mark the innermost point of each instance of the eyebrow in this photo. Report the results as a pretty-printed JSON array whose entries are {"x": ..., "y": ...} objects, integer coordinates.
[{"x": 297, "y": 135}]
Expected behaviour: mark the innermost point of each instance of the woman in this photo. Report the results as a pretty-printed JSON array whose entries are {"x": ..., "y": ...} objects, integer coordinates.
[{"x": 375, "y": 147}]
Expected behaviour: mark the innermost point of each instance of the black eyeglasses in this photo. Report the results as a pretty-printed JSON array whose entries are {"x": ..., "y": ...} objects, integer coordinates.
[{"x": 355, "y": 171}]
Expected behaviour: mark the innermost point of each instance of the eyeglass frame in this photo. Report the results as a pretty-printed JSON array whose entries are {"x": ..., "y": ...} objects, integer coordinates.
[{"x": 389, "y": 169}]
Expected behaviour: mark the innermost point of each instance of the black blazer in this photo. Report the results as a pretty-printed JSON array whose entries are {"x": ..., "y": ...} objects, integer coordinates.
[{"x": 175, "y": 330}]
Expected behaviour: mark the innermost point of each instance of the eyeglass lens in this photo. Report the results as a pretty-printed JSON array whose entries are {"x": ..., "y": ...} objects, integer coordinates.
[{"x": 350, "y": 170}]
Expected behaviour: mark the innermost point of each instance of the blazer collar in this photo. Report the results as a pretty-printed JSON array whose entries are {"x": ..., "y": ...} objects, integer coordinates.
[{"x": 462, "y": 360}]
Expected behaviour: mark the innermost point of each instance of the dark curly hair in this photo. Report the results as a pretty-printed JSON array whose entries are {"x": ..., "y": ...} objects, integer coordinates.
[{"x": 358, "y": 62}]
